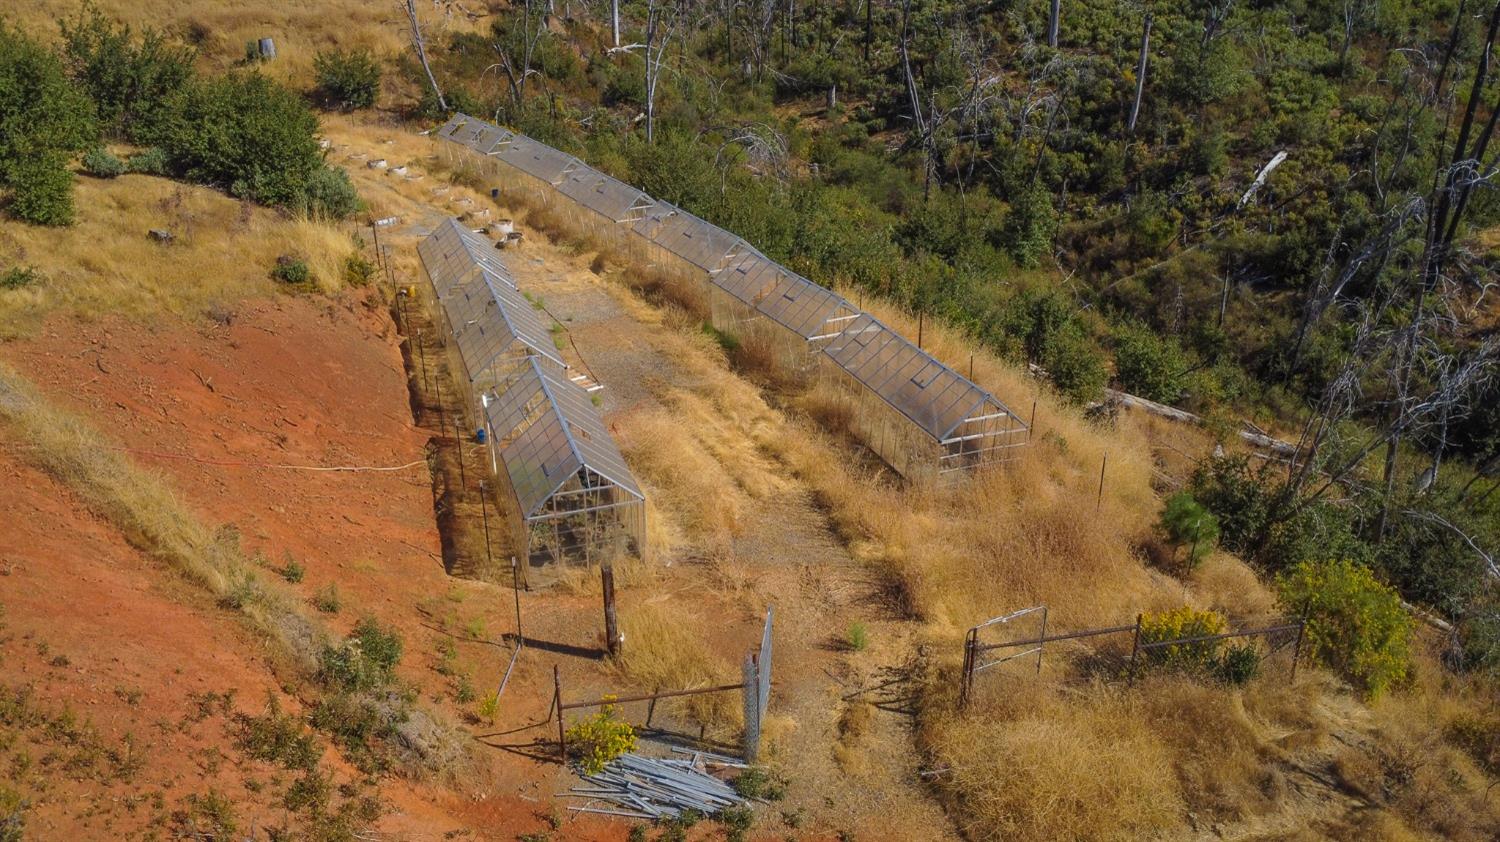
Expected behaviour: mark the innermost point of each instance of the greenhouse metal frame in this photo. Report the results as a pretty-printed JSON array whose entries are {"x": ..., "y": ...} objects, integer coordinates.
[
  {"x": 573, "y": 493},
  {"x": 920, "y": 416}
]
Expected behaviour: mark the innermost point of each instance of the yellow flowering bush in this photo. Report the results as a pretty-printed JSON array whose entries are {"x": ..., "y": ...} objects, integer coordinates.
[
  {"x": 1355, "y": 623},
  {"x": 1184, "y": 622},
  {"x": 600, "y": 738}
]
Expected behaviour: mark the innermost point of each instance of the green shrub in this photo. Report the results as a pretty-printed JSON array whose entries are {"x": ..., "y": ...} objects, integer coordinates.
[
  {"x": 291, "y": 270},
  {"x": 17, "y": 277},
  {"x": 1186, "y": 523},
  {"x": 278, "y": 737},
  {"x": 1240, "y": 499},
  {"x": 12, "y": 815},
  {"x": 358, "y": 270},
  {"x": 1177, "y": 624},
  {"x": 857, "y": 637},
  {"x": 759, "y": 784},
  {"x": 152, "y": 161},
  {"x": 1148, "y": 365},
  {"x": 1238, "y": 665},
  {"x": 133, "y": 83},
  {"x": 1355, "y": 624},
  {"x": 98, "y": 162},
  {"x": 252, "y": 136},
  {"x": 329, "y": 194},
  {"x": 600, "y": 738},
  {"x": 365, "y": 661},
  {"x": 42, "y": 190},
  {"x": 346, "y": 79},
  {"x": 736, "y": 821},
  {"x": 327, "y": 599},
  {"x": 1030, "y": 227},
  {"x": 44, "y": 119},
  {"x": 293, "y": 572}
]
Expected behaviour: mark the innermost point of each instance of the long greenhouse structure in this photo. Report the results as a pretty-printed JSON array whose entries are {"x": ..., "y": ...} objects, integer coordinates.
[
  {"x": 571, "y": 492},
  {"x": 921, "y": 417}
]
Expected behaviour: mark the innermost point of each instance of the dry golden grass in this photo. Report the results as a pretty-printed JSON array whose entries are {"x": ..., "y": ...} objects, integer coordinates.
[
  {"x": 223, "y": 250},
  {"x": 220, "y": 28},
  {"x": 665, "y": 649}
]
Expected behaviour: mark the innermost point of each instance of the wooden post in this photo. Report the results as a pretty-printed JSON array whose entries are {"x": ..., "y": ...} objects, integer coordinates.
[
  {"x": 1032, "y": 428},
  {"x": 562, "y": 736},
  {"x": 1099, "y": 504},
  {"x": 920, "y": 321},
  {"x": 611, "y": 624},
  {"x": 1135, "y": 648}
]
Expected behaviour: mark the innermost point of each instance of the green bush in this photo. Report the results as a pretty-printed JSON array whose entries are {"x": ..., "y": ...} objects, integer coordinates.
[
  {"x": 252, "y": 136},
  {"x": 278, "y": 737},
  {"x": 44, "y": 119},
  {"x": 346, "y": 79},
  {"x": 1075, "y": 365},
  {"x": 1148, "y": 365},
  {"x": 152, "y": 161},
  {"x": 291, "y": 270},
  {"x": 12, "y": 815},
  {"x": 1186, "y": 523},
  {"x": 329, "y": 194},
  {"x": 365, "y": 661},
  {"x": 1238, "y": 496},
  {"x": 1355, "y": 624},
  {"x": 17, "y": 277},
  {"x": 857, "y": 637},
  {"x": 42, "y": 190},
  {"x": 98, "y": 162},
  {"x": 133, "y": 83},
  {"x": 358, "y": 270},
  {"x": 1030, "y": 227},
  {"x": 293, "y": 572},
  {"x": 1238, "y": 665}
]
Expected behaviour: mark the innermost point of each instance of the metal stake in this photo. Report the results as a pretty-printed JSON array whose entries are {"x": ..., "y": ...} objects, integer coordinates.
[
  {"x": 562, "y": 736},
  {"x": 1102, "y": 465},
  {"x": 1135, "y": 648}
]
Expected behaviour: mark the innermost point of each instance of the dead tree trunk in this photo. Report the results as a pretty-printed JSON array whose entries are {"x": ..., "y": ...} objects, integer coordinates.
[
  {"x": 1053, "y": 21},
  {"x": 410, "y": 7},
  {"x": 614, "y": 22},
  {"x": 1140, "y": 76}
]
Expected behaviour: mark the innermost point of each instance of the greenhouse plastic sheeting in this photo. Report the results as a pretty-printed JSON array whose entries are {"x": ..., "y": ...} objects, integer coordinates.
[
  {"x": 700, "y": 243},
  {"x": 933, "y": 396},
  {"x": 609, "y": 197},
  {"x": 537, "y": 159},
  {"x": 451, "y": 252},
  {"x": 555, "y": 433}
]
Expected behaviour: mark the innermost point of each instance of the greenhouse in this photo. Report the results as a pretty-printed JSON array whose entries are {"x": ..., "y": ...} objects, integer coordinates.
[
  {"x": 924, "y": 419},
  {"x": 492, "y": 325},
  {"x": 574, "y": 494}
]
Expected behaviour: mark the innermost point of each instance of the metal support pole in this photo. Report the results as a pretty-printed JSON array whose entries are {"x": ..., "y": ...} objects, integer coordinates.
[
  {"x": 611, "y": 624},
  {"x": 1043, "y": 638},
  {"x": 484, "y": 514},
  {"x": 515, "y": 587},
  {"x": 1032, "y": 428},
  {"x": 1135, "y": 648},
  {"x": 1297, "y": 647},
  {"x": 422, "y": 356},
  {"x": 562, "y": 736},
  {"x": 966, "y": 681},
  {"x": 1099, "y": 504},
  {"x": 458, "y": 443}
]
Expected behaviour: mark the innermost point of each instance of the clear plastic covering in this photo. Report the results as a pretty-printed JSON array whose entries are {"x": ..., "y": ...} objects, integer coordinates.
[
  {"x": 969, "y": 424},
  {"x": 552, "y": 439}
]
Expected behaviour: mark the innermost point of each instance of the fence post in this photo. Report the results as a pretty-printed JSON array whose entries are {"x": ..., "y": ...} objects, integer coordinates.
[
  {"x": 562, "y": 737},
  {"x": 515, "y": 587},
  {"x": 966, "y": 680},
  {"x": 1099, "y": 504},
  {"x": 1297, "y": 647},
  {"x": 1135, "y": 648},
  {"x": 751, "y": 693},
  {"x": 1041, "y": 641},
  {"x": 458, "y": 443},
  {"x": 484, "y": 514},
  {"x": 611, "y": 625}
]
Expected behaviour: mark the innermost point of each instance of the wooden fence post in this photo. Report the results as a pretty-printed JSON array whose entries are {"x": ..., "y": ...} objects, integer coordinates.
[{"x": 611, "y": 624}]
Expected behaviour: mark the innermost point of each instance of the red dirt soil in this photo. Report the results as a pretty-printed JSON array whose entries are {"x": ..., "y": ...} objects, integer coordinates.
[{"x": 221, "y": 410}]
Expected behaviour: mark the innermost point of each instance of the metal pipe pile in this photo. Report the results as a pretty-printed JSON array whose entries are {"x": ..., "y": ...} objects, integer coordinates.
[{"x": 651, "y": 788}]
